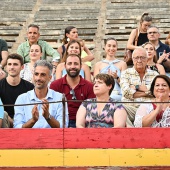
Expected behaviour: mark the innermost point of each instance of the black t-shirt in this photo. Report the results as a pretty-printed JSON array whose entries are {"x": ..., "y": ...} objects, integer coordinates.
[{"x": 10, "y": 93}]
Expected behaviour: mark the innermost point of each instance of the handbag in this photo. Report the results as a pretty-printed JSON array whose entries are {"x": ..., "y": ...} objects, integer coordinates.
[{"x": 128, "y": 53}]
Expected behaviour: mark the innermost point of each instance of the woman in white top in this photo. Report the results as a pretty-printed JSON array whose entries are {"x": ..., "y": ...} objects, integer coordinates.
[
  {"x": 156, "y": 114},
  {"x": 35, "y": 54}
]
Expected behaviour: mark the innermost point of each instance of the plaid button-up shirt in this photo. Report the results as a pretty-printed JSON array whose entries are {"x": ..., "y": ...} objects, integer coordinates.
[{"x": 130, "y": 77}]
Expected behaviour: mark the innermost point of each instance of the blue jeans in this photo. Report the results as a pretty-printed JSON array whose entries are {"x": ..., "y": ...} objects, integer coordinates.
[{"x": 72, "y": 124}]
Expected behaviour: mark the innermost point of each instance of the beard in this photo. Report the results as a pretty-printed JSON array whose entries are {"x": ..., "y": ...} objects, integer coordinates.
[{"x": 73, "y": 74}]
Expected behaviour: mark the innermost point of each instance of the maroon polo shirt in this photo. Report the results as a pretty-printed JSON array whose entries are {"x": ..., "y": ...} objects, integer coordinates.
[{"x": 83, "y": 91}]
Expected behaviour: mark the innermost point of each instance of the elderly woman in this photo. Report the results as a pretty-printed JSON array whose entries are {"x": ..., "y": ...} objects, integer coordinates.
[
  {"x": 156, "y": 114},
  {"x": 105, "y": 113}
]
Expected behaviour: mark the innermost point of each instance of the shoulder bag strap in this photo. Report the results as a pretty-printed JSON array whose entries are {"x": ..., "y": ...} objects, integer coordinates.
[{"x": 136, "y": 37}]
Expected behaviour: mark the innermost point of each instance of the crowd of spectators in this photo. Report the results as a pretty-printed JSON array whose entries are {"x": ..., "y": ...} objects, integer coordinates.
[{"x": 110, "y": 94}]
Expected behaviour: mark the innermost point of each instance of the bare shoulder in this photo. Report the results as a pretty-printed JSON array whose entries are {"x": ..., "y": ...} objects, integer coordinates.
[{"x": 98, "y": 63}]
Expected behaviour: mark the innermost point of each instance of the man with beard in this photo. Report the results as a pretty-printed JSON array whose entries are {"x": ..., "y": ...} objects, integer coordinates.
[
  {"x": 44, "y": 114},
  {"x": 12, "y": 86},
  {"x": 73, "y": 86}
]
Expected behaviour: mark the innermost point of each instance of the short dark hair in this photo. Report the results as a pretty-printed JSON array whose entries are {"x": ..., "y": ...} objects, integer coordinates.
[
  {"x": 34, "y": 26},
  {"x": 16, "y": 56},
  {"x": 166, "y": 78},
  {"x": 108, "y": 80},
  {"x": 74, "y": 55}
]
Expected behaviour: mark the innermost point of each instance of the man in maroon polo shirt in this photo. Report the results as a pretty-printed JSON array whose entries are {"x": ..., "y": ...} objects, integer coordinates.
[{"x": 73, "y": 86}]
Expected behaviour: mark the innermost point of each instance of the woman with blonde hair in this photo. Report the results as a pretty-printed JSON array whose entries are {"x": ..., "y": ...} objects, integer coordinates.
[{"x": 152, "y": 58}]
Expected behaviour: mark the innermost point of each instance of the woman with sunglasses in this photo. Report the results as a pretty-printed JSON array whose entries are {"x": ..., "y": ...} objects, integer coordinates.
[{"x": 101, "y": 111}]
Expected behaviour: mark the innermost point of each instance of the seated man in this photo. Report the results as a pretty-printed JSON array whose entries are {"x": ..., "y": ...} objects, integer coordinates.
[
  {"x": 135, "y": 82},
  {"x": 73, "y": 86},
  {"x": 43, "y": 114},
  {"x": 162, "y": 50},
  {"x": 33, "y": 38},
  {"x": 12, "y": 86}
]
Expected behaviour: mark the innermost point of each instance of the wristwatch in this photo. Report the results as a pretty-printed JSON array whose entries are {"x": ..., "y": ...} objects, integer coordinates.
[
  {"x": 137, "y": 87},
  {"x": 49, "y": 118}
]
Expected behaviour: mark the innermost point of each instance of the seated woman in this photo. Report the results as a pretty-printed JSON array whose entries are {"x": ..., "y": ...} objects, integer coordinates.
[
  {"x": 145, "y": 22},
  {"x": 156, "y": 114},
  {"x": 152, "y": 58},
  {"x": 71, "y": 33},
  {"x": 106, "y": 113},
  {"x": 35, "y": 54},
  {"x": 73, "y": 47},
  {"x": 112, "y": 66}
]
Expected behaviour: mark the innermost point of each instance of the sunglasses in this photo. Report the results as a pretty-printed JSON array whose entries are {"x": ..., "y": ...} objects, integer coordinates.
[{"x": 72, "y": 92}]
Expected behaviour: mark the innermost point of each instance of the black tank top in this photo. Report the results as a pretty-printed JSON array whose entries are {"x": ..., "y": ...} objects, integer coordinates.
[{"x": 142, "y": 39}]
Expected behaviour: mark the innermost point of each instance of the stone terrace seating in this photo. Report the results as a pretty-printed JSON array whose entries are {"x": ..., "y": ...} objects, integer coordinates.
[
  {"x": 13, "y": 15},
  {"x": 55, "y": 16},
  {"x": 96, "y": 20},
  {"x": 123, "y": 15}
]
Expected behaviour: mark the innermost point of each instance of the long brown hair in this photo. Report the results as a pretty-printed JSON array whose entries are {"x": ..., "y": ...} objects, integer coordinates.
[
  {"x": 67, "y": 31},
  {"x": 66, "y": 52}
]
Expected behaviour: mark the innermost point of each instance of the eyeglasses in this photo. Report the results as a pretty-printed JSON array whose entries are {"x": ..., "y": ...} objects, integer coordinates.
[
  {"x": 73, "y": 93},
  {"x": 152, "y": 32},
  {"x": 142, "y": 58}
]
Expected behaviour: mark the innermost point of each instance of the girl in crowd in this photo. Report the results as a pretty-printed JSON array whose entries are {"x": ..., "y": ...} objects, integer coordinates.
[
  {"x": 105, "y": 114},
  {"x": 156, "y": 114},
  {"x": 145, "y": 22},
  {"x": 73, "y": 47},
  {"x": 152, "y": 58},
  {"x": 111, "y": 66},
  {"x": 71, "y": 33},
  {"x": 35, "y": 54}
]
